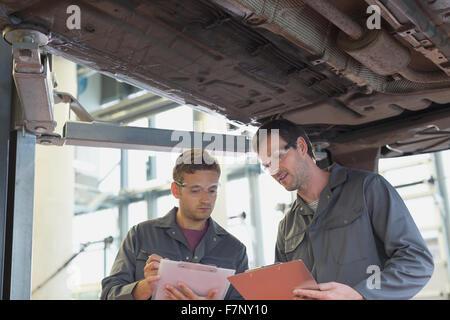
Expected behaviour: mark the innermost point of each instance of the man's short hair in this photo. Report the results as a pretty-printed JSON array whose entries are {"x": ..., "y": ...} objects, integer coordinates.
[
  {"x": 193, "y": 160},
  {"x": 287, "y": 130}
]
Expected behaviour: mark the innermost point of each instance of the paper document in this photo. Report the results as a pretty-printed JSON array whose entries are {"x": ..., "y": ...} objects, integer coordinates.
[
  {"x": 274, "y": 282},
  {"x": 200, "y": 278}
]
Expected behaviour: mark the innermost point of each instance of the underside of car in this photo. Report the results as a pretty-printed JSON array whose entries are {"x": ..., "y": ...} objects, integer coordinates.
[{"x": 366, "y": 78}]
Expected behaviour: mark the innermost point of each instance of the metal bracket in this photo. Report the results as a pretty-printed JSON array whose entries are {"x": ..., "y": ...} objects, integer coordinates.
[
  {"x": 74, "y": 105},
  {"x": 31, "y": 73},
  {"x": 316, "y": 60},
  {"x": 407, "y": 31},
  {"x": 318, "y": 147},
  {"x": 425, "y": 47},
  {"x": 35, "y": 86}
]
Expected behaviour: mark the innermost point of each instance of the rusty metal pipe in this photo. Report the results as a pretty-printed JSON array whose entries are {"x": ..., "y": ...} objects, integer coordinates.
[
  {"x": 337, "y": 17},
  {"x": 424, "y": 77},
  {"x": 345, "y": 54},
  {"x": 378, "y": 51},
  {"x": 385, "y": 56}
]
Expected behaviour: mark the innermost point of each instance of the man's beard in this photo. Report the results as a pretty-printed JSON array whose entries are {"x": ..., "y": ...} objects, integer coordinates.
[{"x": 302, "y": 177}]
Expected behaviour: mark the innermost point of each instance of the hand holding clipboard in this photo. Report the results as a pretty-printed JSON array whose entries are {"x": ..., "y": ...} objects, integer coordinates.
[
  {"x": 274, "y": 282},
  {"x": 201, "y": 279}
]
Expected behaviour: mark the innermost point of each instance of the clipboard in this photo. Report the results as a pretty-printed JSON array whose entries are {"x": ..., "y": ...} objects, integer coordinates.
[
  {"x": 274, "y": 282},
  {"x": 200, "y": 278}
]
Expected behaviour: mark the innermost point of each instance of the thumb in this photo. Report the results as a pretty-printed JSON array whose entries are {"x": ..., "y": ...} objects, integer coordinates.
[{"x": 211, "y": 294}]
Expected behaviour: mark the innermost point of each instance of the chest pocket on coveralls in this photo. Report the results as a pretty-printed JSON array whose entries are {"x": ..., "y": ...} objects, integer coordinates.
[
  {"x": 291, "y": 244},
  {"x": 345, "y": 232}
]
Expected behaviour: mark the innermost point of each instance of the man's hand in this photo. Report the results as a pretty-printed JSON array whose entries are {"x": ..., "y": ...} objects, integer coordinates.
[
  {"x": 144, "y": 288},
  {"x": 328, "y": 291},
  {"x": 185, "y": 293}
]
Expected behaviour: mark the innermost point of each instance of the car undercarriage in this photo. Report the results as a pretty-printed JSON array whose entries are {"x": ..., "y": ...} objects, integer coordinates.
[{"x": 367, "y": 79}]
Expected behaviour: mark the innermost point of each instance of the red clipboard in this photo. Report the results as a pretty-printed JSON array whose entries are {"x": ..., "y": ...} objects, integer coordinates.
[{"x": 274, "y": 282}]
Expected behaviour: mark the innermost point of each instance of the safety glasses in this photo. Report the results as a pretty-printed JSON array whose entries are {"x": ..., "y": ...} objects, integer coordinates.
[
  {"x": 196, "y": 190},
  {"x": 271, "y": 165}
]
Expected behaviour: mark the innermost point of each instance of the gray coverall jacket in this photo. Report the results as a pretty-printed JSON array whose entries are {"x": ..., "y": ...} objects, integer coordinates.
[
  {"x": 361, "y": 224},
  {"x": 163, "y": 237}
]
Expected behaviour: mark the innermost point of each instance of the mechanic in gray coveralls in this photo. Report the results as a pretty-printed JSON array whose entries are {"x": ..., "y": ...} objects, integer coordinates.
[
  {"x": 186, "y": 233},
  {"x": 345, "y": 223}
]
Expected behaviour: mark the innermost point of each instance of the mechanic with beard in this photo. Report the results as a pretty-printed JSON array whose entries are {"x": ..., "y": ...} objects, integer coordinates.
[
  {"x": 186, "y": 233},
  {"x": 344, "y": 225}
]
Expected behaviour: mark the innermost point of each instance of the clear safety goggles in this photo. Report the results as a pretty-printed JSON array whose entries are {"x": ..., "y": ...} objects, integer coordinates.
[
  {"x": 271, "y": 165},
  {"x": 196, "y": 189}
]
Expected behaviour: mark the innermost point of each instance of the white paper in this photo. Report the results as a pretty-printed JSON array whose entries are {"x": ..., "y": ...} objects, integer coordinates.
[{"x": 198, "y": 277}]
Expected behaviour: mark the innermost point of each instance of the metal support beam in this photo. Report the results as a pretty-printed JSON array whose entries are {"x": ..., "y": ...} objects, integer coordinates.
[
  {"x": 255, "y": 212},
  {"x": 5, "y": 118},
  {"x": 20, "y": 214},
  {"x": 444, "y": 205},
  {"x": 123, "y": 207},
  {"x": 125, "y": 137}
]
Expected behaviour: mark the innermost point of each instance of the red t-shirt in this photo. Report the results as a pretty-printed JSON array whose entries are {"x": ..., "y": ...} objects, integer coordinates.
[{"x": 193, "y": 237}]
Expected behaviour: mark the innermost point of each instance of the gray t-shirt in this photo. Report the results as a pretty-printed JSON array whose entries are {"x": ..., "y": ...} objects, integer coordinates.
[{"x": 313, "y": 205}]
